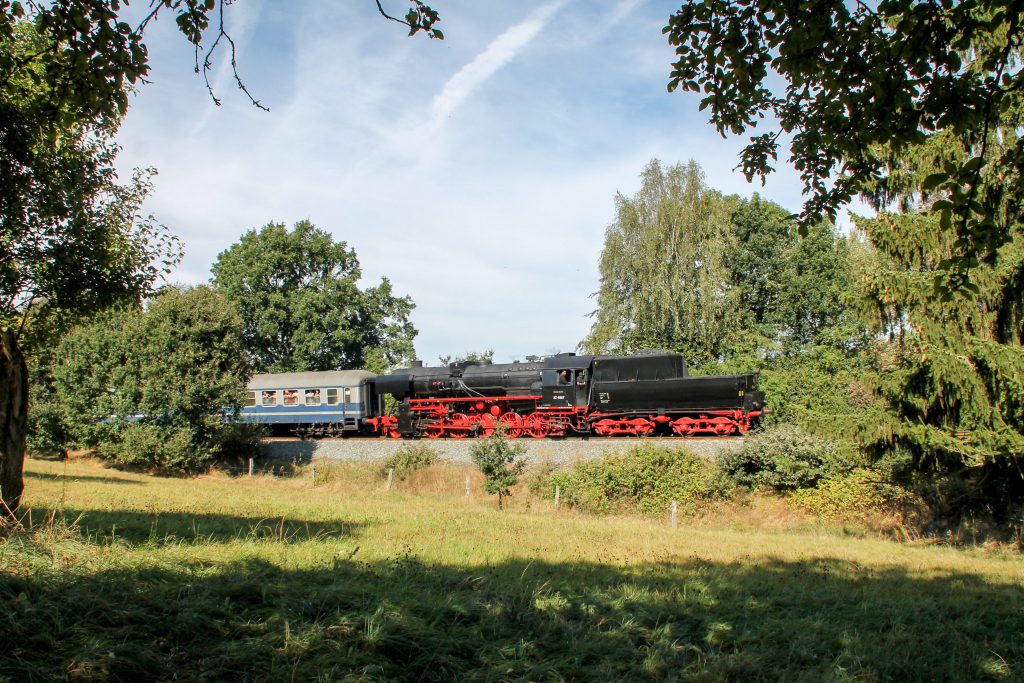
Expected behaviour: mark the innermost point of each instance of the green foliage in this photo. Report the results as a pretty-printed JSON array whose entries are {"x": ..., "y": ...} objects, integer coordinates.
[
  {"x": 70, "y": 233},
  {"x": 645, "y": 478},
  {"x": 785, "y": 458},
  {"x": 92, "y": 53},
  {"x": 664, "y": 279},
  {"x": 955, "y": 376},
  {"x": 163, "y": 448},
  {"x": 152, "y": 388},
  {"x": 410, "y": 458},
  {"x": 538, "y": 478},
  {"x": 50, "y": 426},
  {"x": 859, "y": 494},
  {"x": 302, "y": 307},
  {"x": 486, "y": 356},
  {"x": 499, "y": 459},
  {"x": 862, "y": 89}
]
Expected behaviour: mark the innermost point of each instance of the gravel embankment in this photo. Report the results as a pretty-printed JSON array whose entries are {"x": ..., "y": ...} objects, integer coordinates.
[{"x": 558, "y": 451}]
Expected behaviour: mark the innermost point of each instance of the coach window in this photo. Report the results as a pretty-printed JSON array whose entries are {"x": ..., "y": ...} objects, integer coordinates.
[
  {"x": 312, "y": 397},
  {"x": 348, "y": 395},
  {"x": 332, "y": 397},
  {"x": 291, "y": 397},
  {"x": 270, "y": 398},
  {"x": 250, "y": 399}
]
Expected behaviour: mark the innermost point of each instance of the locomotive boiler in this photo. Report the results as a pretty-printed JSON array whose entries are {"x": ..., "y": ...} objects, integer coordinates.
[{"x": 643, "y": 394}]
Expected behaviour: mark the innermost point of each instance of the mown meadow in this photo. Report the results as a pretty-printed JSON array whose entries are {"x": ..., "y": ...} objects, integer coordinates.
[{"x": 121, "y": 576}]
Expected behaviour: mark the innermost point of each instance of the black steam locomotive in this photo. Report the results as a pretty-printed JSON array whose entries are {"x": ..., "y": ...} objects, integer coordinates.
[{"x": 639, "y": 395}]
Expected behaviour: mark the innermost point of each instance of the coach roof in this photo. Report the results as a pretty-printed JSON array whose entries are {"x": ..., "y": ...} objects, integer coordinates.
[{"x": 299, "y": 380}]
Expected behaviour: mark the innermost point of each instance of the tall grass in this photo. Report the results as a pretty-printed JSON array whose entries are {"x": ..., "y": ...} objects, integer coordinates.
[{"x": 127, "y": 577}]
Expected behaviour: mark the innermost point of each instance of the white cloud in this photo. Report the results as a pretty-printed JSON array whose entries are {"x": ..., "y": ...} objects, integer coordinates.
[
  {"x": 477, "y": 173},
  {"x": 502, "y": 50}
]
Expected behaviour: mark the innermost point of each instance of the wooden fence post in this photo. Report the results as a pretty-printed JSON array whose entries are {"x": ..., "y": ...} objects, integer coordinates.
[
  {"x": 250, "y": 467},
  {"x": 558, "y": 495},
  {"x": 314, "y": 474},
  {"x": 675, "y": 510},
  {"x": 467, "y": 486},
  {"x": 391, "y": 476}
]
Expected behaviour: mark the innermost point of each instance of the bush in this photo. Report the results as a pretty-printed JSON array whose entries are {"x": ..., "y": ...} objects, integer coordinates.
[
  {"x": 784, "y": 458},
  {"x": 538, "y": 478},
  {"x": 500, "y": 461},
  {"x": 158, "y": 448},
  {"x": 184, "y": 448},
  {"x": 409, "y": 458},
  {"x": 645, "y": 478},
  {"x": 859, "y": 494},
  {"x": 236, "y": 442}
]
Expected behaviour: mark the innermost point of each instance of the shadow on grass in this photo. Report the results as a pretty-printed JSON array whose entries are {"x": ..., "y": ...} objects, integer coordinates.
[
  {"x": 49, "y": 476},
  {"x": 520, "y": 620},
  {"x": 178, "y": 528}
]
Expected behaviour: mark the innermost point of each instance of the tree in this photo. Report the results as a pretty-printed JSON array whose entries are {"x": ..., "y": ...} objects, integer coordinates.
[
  {"x": 486, "y": 356},
  {"x": 664, "y": 278},
  {"x": 302, "y": 307},
  {"x": 764, "y": 235},
  {"x": 71, "y": 237},
  {"x": 955, "y": 370},
  {"x": 68, "y": 232},
  {"x": 790, "y": 289},
  {"x": 155, "y": 388},
  {"x": 860, "y": 88},
  {"x": 500, "y": 461}
]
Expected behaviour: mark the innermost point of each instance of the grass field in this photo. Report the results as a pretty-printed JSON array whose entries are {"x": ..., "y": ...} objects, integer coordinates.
[{"x": 139, "y": 578}]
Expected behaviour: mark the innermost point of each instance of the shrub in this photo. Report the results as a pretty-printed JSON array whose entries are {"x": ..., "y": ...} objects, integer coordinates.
[
  {"x": 409, "y": 458},
  {"x": 644, "y": 478},
  {"x": 500, "y": 461},
  {"x": 784, "y": 458},
  {"x": 179, "y": 448},
  {"x": 859, "y": 494},
  {"x": 156, "y": 447},
  {"x": 538, "y": 478},
  {"x": 236, "y": 442}
]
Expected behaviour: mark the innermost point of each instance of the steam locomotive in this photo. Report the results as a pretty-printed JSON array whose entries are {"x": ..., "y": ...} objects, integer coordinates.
[{"x": 643, "y": 394}]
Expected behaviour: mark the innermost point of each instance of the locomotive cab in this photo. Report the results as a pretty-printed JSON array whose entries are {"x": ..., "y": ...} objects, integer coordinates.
[{"x": 565, "y": 383}]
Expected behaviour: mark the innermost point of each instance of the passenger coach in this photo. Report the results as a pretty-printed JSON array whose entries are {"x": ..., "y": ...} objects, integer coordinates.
[{"x": 330, "y": 403}]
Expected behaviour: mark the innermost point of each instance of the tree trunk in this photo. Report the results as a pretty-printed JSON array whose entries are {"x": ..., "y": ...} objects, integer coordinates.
[{"x": 13, "y": 421}]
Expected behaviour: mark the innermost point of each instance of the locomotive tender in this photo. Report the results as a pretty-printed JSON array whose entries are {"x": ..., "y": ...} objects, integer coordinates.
[{"x": 637, "y": 395}]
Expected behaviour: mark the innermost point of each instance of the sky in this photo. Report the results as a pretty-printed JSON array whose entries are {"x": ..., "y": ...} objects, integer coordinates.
[{"x": 477, "y": 173}]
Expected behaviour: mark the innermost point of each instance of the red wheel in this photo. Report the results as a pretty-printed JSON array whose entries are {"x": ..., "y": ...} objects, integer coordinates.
[
  {"x": 684, "y": 426},
  {"x": 642, "y": 427},
  {"x": 395, "y": 434},
  {"x": 459, "y": 425},
  {"x": 537, "y": 425},
  {"x": 433, "y": 430},
  {"x": 513, "y": 424},
  {"x": 486, "y": 425}
]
